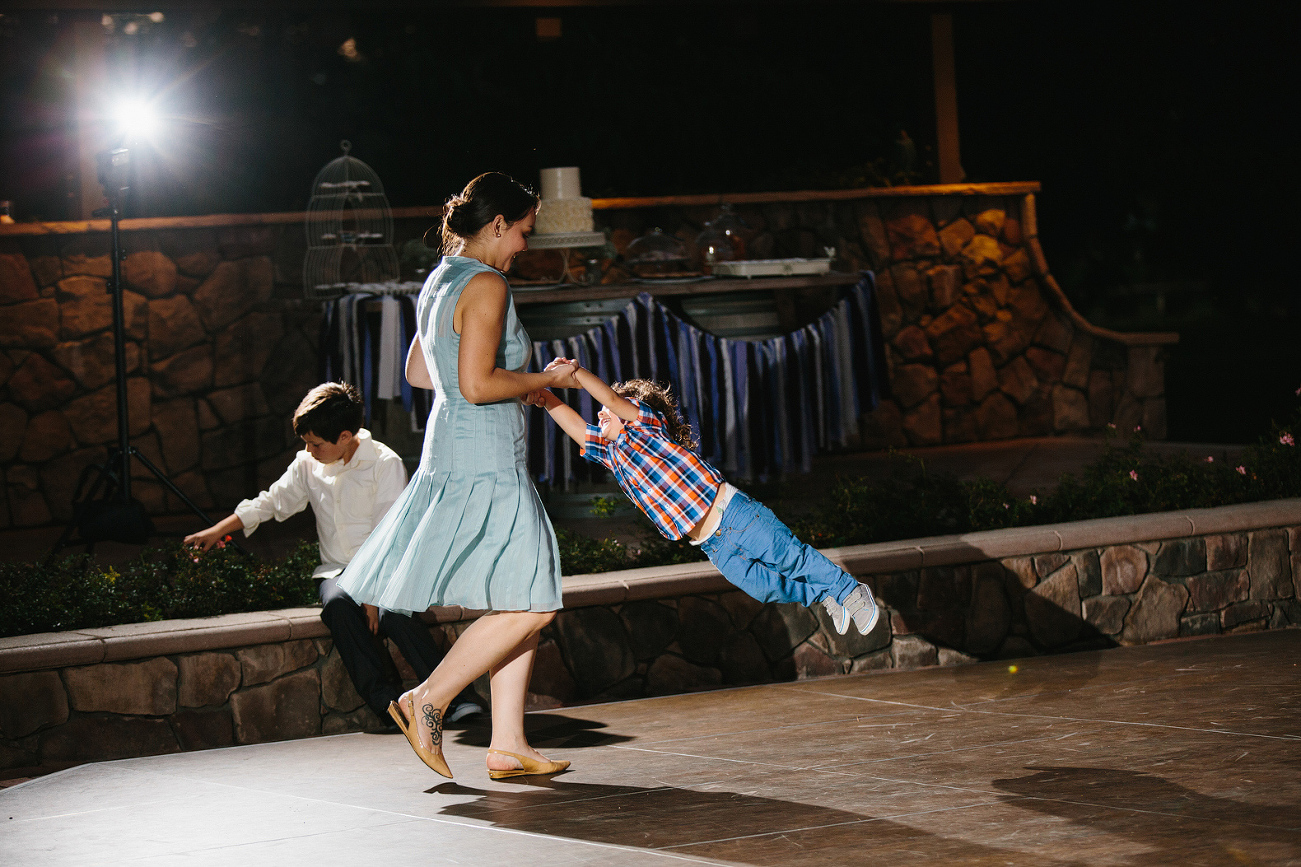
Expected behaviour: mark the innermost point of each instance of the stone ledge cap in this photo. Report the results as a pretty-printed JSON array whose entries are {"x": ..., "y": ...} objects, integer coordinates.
[{"x": 136, "y": 640}]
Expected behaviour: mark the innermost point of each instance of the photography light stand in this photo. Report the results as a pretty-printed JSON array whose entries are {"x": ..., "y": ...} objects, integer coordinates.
[{"x": 116, "y": 516}]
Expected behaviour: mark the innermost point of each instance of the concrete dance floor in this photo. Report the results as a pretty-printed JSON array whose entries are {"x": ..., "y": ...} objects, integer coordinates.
[{"x": 1185, "y": 753}]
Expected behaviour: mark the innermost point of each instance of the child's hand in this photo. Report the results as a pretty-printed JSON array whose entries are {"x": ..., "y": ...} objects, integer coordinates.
[
  {"x": 535, "y": 398},
  {"x": 564, "y": 375},
  {"x": 204, "y": 540},
  {"x": 558, "y": 362}
]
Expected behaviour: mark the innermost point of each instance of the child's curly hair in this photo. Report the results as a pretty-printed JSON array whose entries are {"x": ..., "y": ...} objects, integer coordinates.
[{"x": 659, "y": 398}]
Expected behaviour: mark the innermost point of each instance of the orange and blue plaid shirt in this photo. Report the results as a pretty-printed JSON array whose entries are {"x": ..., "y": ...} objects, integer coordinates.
[{"x": 670, "y": 483}]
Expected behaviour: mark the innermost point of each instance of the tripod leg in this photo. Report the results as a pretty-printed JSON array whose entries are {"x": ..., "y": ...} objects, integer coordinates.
[
  {"x": 103, "y": 473},
  {"x": 171, "y": 486}
]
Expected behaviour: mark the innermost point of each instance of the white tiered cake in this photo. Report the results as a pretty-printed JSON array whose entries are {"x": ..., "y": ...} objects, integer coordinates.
[{"x": 563, "y": 210}]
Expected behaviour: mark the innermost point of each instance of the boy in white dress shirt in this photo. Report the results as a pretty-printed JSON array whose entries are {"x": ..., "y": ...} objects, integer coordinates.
[{"x": 350, "y": 480}]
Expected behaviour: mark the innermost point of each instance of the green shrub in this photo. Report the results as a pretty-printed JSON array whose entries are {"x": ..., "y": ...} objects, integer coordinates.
[
  {"x": 163, "y": 583},
  {"x": 171, "y": 582}
]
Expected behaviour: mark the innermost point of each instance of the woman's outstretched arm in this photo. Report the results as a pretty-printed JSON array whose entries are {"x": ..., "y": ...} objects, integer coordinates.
[{"x": 597, "y": 388}]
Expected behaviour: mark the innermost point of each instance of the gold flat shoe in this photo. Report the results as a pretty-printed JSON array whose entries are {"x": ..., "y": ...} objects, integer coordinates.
[
  {"x": 433, "y": 760},
  {"x": 528, "y": 767}
]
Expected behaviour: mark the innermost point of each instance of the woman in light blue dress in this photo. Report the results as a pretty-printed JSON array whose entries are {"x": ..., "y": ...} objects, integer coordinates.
[{"x": 469, "y": 529}]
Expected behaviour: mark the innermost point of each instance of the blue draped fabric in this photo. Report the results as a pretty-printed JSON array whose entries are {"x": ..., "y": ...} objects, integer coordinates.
[
  {"x": 761, "y": 408},
  {"x": 348, "y": 350}
]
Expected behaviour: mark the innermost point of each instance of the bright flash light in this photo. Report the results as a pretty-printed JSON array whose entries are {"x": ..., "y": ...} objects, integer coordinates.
[{"x": 136, "y": 118}]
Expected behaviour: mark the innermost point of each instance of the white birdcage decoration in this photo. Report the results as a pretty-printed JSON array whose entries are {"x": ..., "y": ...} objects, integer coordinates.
[{"x": 349, "y": 230}]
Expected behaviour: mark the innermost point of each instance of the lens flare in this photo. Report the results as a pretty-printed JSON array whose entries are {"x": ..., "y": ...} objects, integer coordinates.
[{"x": 136, "y": 119}]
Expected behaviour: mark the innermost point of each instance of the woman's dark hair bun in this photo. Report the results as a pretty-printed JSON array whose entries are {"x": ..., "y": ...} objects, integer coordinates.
[{"x": 488, "y": 196}]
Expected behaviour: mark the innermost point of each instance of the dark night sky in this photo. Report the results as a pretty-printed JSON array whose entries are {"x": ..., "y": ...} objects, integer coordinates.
[{"x": 1158, "y": 129}]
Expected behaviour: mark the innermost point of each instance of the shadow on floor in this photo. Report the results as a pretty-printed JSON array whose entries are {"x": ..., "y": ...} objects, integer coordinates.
[
  {"x": 550, "y": 731},
  {"x": 732, "y": 826},
  {"x": 1159, "y": 815}
]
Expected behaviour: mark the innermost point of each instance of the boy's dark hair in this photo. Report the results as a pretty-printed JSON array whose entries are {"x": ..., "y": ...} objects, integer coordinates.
[
  {"x": 659, "y": 398},
  {"x": 328, "y": 410}
]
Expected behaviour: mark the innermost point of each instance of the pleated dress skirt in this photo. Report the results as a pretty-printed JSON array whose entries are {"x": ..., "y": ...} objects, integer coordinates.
[{"x": 469, "y": 529}]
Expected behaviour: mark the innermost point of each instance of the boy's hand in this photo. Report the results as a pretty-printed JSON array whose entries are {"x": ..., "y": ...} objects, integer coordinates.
[
  {"x": 204, "y": 540},
  {"x": 372, "y": 618},
  {"x": 536, "y": 398},
  {"x": 558, "y": 362}
]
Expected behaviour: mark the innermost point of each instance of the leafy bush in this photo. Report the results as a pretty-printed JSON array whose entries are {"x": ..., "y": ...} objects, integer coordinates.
[
  {"x": 163, "y": 583},
  {"x": 74, "y": 593},
  {"x": 1122, "y": 481}
]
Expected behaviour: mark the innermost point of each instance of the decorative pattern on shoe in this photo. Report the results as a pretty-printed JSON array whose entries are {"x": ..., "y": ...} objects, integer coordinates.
[{"x": 528, "y": 767}]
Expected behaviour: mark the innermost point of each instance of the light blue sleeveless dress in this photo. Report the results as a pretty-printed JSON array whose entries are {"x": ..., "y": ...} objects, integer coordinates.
[{"x": 469, "y": 528}]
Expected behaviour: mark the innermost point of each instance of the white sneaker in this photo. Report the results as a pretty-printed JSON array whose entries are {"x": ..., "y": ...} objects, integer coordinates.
[
  {"x": 839, "y": 616},
  {"x": 859, "y": 606}
]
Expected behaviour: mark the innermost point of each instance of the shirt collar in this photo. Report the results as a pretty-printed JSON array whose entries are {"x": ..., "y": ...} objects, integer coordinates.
[{"x": 365, "y": 455}]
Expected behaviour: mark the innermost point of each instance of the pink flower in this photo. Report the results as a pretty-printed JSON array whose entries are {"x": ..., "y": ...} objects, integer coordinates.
[
  {"x": 1298, "y": 391},
  {"x": 1286, "y": 439},
  {"x": 1007, "y": 505},
  {"x": 1138, "y": 428},
  {"x": 1241, "y": 470},
  {"x": 1133, "y": 474},
  {"x": 1111, "y": 424},
  {"x": 1034, "y": 501},
  {"x": 1210, "y": 460}
]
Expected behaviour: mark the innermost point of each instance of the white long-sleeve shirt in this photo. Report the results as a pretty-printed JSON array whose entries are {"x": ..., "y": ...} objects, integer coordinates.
[{"x": 348, "y": 498}]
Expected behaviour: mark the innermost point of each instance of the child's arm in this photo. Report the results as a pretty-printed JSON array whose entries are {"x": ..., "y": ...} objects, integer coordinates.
[
  {"x": 596, "y": 387},
  {"x": 564, "y": 415},
  {"x": 205, "y": 539}
]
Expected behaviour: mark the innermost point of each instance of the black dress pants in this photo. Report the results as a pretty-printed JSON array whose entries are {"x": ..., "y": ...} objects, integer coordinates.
[{"x": 363, "y": 654}]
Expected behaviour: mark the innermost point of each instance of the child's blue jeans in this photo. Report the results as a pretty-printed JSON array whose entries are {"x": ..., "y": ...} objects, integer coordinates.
[{"x": 760, "y": 555}]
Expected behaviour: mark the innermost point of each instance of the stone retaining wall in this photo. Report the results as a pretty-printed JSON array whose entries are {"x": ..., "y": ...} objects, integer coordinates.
[
  {"x": 164, "y": 687},
  {"x": 982, "y": 344}
]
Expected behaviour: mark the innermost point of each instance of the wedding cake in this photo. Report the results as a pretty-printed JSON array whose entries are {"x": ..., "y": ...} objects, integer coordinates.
[{"x": 563, "y": 210}]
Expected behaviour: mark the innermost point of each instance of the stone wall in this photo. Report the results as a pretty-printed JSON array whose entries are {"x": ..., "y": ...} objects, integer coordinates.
[
  {"x": 218, "y": 354},
  {"x": 155, "y": 688},
  {"x": 982, "y": 344}
]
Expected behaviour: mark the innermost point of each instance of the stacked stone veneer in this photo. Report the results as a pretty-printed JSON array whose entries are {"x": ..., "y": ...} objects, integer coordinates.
[
  {"x": 218, "y": 354},
  {"x": 981, "y": 343},
  {"x": 670, "y": 630}
]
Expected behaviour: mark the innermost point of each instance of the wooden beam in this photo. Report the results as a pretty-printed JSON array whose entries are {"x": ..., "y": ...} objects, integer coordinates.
[
  {"x": 946, "y": 99},
  {"x": 89, "y": 70}
]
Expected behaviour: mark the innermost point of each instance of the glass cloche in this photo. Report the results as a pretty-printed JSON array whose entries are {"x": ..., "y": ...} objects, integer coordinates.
[
  {"x": 714, "y": 245},
  {"x": 729, "y": 223},
  {"x": 657, "y": 255}
]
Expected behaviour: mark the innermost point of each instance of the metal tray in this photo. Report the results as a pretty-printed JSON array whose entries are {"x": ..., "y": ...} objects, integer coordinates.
[{"x": 771, "y": 267}]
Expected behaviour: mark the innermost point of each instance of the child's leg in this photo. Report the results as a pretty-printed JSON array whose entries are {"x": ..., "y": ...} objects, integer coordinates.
[{"x": 760, "y": 555}]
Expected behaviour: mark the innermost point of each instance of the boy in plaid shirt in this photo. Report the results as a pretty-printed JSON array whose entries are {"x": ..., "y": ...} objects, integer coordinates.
[{"x": 644, "y": 442}]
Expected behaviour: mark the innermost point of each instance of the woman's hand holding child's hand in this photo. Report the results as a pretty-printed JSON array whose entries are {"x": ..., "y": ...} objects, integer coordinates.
[{"x": 564, "y": 371}]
